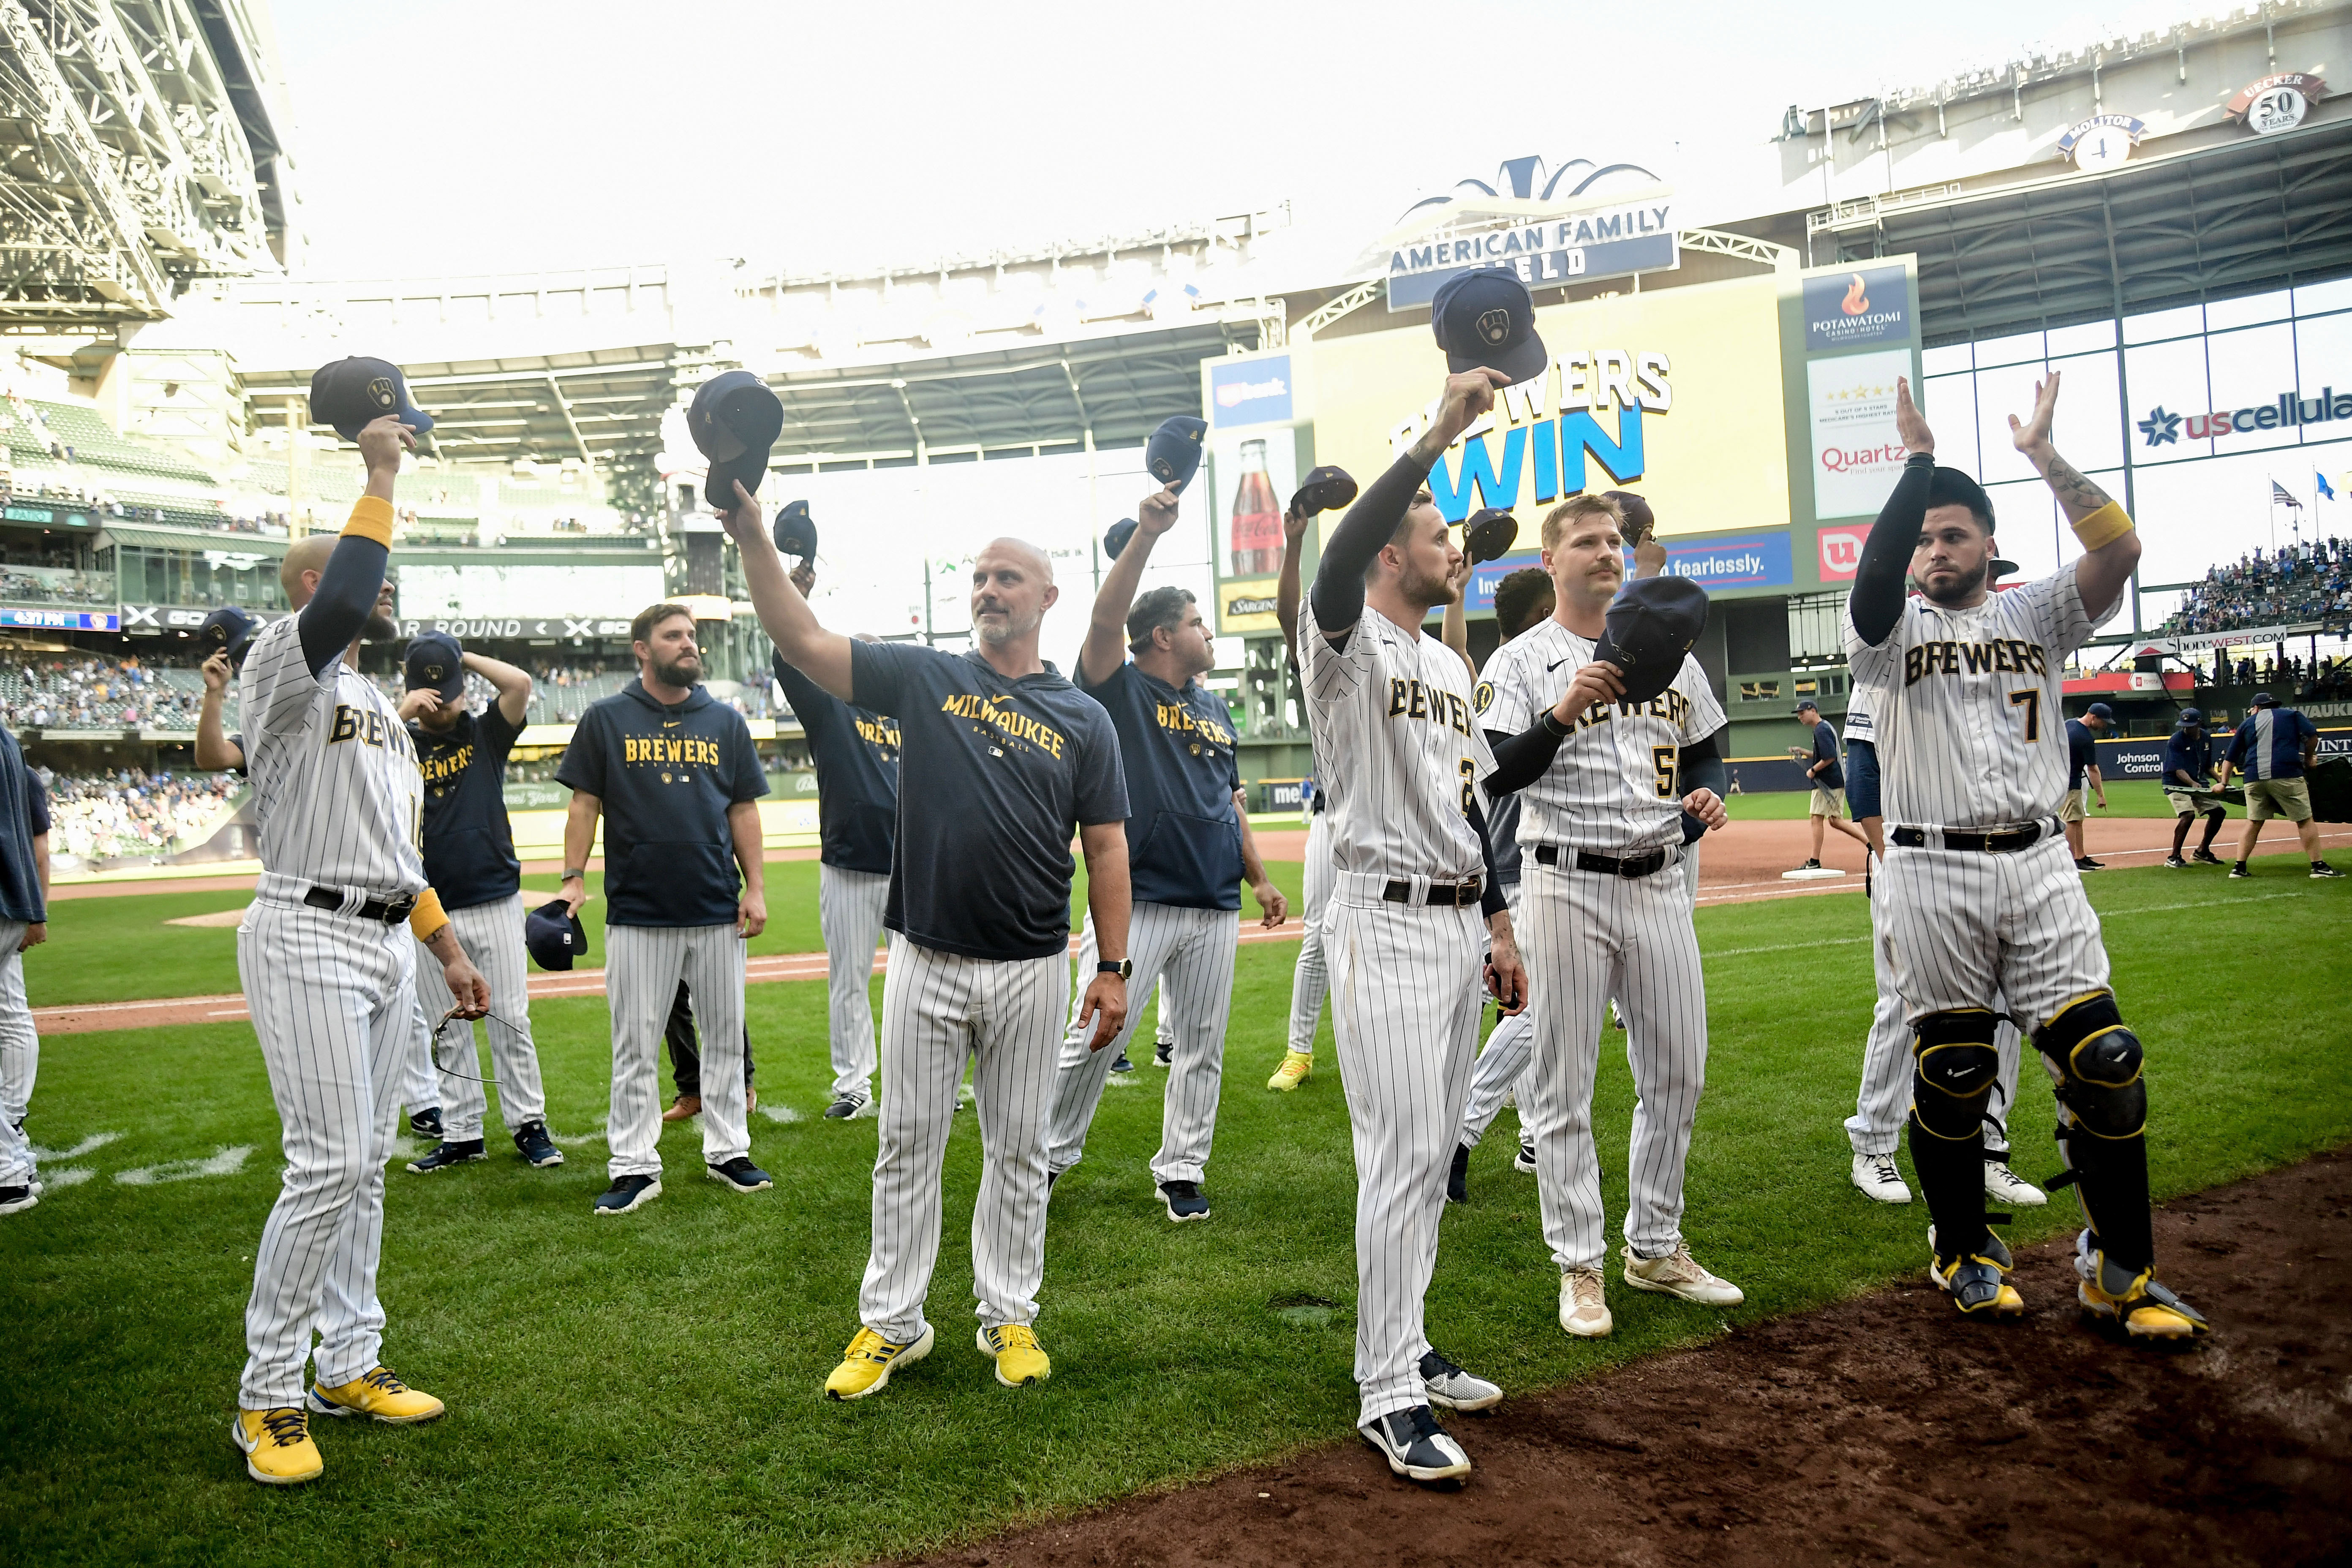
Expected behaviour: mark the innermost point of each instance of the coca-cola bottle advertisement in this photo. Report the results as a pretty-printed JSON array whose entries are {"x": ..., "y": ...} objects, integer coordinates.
[{"x": 1253, "y": 525}]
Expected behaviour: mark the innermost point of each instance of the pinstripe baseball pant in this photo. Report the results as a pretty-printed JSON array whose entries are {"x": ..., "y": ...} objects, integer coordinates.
[
  {"x": 491, "y": 935},
  {"x": 940, "y": 1010},
  {"x": 1587, "y": 938},
  {"x": 849, "y": 914},
  {"x": 1193, "y": 952},
  {"x": 1965, "y": 927},
  {"x": 1311, "y": 980},
  {"x": 1406, "y": 1019},
  {"x": 334, "y": 1005},
  {"x": 20, "y": 1058},
  {"x": 643, "y": 966},
  {"x": 1508, "y": 1047},
  {"x": 1884, "y": 1103},
  {"x": 420, "y": 1086}
]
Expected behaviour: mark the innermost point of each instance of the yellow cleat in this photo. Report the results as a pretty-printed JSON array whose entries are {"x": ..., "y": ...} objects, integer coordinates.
[
  {"x": 2141, "y": 1308},
  {"x": 866, "y": 1365},
  {"x": 1974, "y": 1279},
  {"x": 379, "y": 1394},
  {"x": 277, "y": 1444},
  {"x": 1020, "y": 1359},
  {"x": 1294, "y": 1070}
]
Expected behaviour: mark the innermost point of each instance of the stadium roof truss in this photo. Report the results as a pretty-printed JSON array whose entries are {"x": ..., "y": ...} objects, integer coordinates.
[{"x": 136, "y": 152}]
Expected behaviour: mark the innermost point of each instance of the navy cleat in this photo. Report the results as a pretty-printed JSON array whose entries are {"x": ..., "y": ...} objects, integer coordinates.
[
  {"x": 425, "y": 1123},
  {"x": 1184, "y": 1201},
  {"x": 444, "y": 1155},
  {"x": 741, "y": 1175},
  {"x": 1415, "y": 1445},
  {"x": 628, "y": 1192},
  {"x": 536, "y": 1146}
]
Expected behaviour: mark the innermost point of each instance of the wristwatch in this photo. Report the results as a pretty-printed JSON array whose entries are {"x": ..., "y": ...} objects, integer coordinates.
[
  {"x": 575, "y": 873},
  {"x": 1122, "y": 967}
]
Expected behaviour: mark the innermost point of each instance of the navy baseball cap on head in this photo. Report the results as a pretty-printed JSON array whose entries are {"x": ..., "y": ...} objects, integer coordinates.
[
  {"x": 554, "y": 936},
  {"x": 795, "y": 534},
  {"x": 352, "y": 393},
  {"x": 436, "y": 662},
  {"x": 1652, "y": 623},
  {"x": 1489, "y": 534},
  {"x": 2191, "y": 716},
  {"x": 1809, "y": 706},
  {"x": 1485, "y": 317},
  {"x": 1116, "y": 536},
  {"x": 734, "y": 420},
  {"x": 1324, "y": 489},
  {"x": 2099, "y": 711},
  {"x": 2261, "y": 699},
  {"x": 228, "y": 628},
  {"x": 1998, "y": 568},
  {"x": 1173, "y": 453}
]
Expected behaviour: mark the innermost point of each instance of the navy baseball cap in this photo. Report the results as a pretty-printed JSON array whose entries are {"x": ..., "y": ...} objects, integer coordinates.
[
  {"x": 2191, "y": 716},
  {"x": 352, "y": 393},
  {"x": 1641, "y": 522},
  {"x": 553, "y": 934},
  {"x": 795, "y": 534},
  {"x": 734, "y": 420},
  {"x": 1324, "y": 489},
  {"x": 1486, "y": 317},
  {"x": 1653, "y": 622},
  {"x": 436, "y": 662},
  {"x": 1489, "y": 534},
  {"x": 2261, "y": 699},
  {"x": 228, "y": 628},
  {"x": 1998, "y": 568},
  {"x": 2099, "y": 711},
  {"x": 1173, "y": 453},
  {"x": 1116, "y": 536},
  {"x": 1809, "y": 706}
]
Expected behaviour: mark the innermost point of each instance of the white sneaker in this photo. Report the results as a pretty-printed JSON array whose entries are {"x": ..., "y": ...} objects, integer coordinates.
[
  {"x": 1524, "y": 1162},
  {"x": 1678, "y": 1274},
  {"x": 1584, "y": 1304},
  {"x": 1876, "y": 1176},
  {"x": 2005, "y": 1185}
]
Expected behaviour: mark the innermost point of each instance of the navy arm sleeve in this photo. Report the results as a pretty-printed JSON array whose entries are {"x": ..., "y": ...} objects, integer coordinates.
[
  {"x": 1490, "y": 890},
  {"x": 339, "y": 611},
  {"x": 1339, "y": 593},
  {"x": 1876, "y": 601},
  {"x": 1699, "y": 765},
  {"x": 1521, "y": 759}
]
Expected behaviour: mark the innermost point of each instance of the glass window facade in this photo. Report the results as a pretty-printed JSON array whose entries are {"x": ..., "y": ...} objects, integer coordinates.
[
  {"x": 151, "y": 574},
  {"x": 2190, "y": 415}
]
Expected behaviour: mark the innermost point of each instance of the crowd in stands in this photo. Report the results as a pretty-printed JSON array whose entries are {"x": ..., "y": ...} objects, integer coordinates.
[
  {"x": 95, "y": 691},
  {"x": 104, "y": 816},
  {"x": 2303, "y": 582},
  {"x": 55, "y": 585}
]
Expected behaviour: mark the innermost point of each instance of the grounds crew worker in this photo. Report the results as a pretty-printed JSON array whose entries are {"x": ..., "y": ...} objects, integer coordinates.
[
  {"x": 329, "y": 976},
  {"x": 1000, "y": 757},
  {"x": 469, "y": 857},
  {"x": 2274, "y": 747}
]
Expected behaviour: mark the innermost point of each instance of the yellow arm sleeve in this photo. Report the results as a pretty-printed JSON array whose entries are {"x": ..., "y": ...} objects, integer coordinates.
[
  {"x": 2105, "y": 526},
  {"x": 426, "y": 920},
  {"x": 372, "y": 519}
]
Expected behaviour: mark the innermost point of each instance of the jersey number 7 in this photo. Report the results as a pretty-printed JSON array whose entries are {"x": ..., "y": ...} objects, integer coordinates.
[{"x": 2031, "y": 701}]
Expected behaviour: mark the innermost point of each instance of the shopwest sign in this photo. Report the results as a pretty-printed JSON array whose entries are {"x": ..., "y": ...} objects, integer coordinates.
[
  {"x": 1550, "y": 228},
  {"x": 2163, "y": 427}
]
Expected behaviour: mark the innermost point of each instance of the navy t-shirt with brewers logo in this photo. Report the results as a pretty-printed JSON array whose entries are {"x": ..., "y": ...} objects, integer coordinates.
[
  {"x": 667, "y": 776},
  {"x": 857, "y": 756},
  {"x": 994, "y": 775},
  {"x": 1183, "y": 837},
  {"x": 470, "y": 856}
]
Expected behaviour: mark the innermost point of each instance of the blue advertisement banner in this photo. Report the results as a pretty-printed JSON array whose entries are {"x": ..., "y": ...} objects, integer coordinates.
[
  {"x": 1743, "y": 561},
  {"x": 1253, "y": 392},
  {"x": 62, "y": 620}
]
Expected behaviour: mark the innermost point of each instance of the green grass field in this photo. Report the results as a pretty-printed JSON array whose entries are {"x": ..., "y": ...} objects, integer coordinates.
[
  {"x": 2125, "y": 798},
  {"x": 648, "y": 1389}
]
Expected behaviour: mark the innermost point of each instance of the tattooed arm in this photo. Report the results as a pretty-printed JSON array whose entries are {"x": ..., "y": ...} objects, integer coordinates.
[{"x": 2106, "y": 565}]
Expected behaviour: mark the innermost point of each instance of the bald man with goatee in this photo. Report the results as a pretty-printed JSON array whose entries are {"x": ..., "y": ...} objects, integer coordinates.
[{"x": 1000, "y": 760}]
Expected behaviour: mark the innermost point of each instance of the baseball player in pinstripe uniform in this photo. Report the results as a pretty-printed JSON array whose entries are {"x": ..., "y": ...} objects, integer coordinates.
[
  {"x": 1395, "y": 739},
  {"x": 1310, "y": 982},
  {"x": 677, "y": 781},
  {"x": 1001, "y": 758},
  {"x": 24, "y": 922},
  {"x": 1981, "y": 896},
  {"x": 329, "y": 977},
  {"x": 1612, "y": 791},
  {"x": 1188, "y": 849},
  {"x": 856, "y": 755},
  {"x": 469, "y": 859}
]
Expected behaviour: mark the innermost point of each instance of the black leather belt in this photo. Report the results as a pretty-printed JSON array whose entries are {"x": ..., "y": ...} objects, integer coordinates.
[
  {"x": 2004, "y": 843},
  {"x": 390, "y": 912},
  {"x": 1632, "y": 866},
  {"x": 1442, "y": 895}
]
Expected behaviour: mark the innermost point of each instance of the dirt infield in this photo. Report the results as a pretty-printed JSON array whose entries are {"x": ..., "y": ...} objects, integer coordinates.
[{"x": 1880, "y": 1430}]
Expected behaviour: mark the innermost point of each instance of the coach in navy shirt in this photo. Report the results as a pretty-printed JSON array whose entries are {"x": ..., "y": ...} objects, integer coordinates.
[
  {"x": 677, "y": 779},
  {"x": 1000, "y": 758},
  {"x": 857, "y": 754},
  {"x": 2274, "y": 747},
  {"x": 1189, "y": 850},
  {"x": 2082, "y": 769},
  {"x": 1828, "y": 784},
  {"x": 24, "y": 922}
]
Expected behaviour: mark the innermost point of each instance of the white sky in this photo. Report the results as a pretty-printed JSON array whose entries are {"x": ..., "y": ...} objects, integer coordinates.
[{"x": 441, "y": 137}]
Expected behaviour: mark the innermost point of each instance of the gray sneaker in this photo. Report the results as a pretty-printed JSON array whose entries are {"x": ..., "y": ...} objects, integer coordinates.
[{"x": 1451, "y": 1388}]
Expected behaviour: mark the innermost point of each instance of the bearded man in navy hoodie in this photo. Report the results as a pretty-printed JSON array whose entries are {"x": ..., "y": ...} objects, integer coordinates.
[{"x": 677, "y": 781}]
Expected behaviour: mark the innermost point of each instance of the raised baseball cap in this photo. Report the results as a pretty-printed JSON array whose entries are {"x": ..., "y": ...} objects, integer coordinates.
[
  {"x": 554, "y": 936},
  {"x": 2261, "y": 699},
  {"x": 1486, "y": 317},
  {"x": 1173, "y": 453},
  {"x": 352, "y": 393},
  {"x": 1641, "y": 522},
  {"x": 436, "y": 662},
  {"x": 1324, "y": 489},
  {"x": 228, "y": 629},
  {"x": 795, "y": 533},
  {"x": 1489, "y": 534},
  {"x": 1116, "y": 536},
  {"x": 2098, "y": 710},
  {"x": 734, "y": 419},
  {"x": 1654, "y": 622}
]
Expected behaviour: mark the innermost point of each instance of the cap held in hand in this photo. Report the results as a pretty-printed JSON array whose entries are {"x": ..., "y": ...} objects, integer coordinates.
[
  {"x": 352, "y": 393},
  {"x": 1485, "y": 319},
  {"x": 1173, "y": 454},
  {"x": 555, "y": 935},
  {"x": 795, "y": 534},
  {"x": 1641, "y": 522},
  {"x": 1489, "y": 535},
  {"x": 1654, "y": 622},
  {"x": 1327, "y": 488},
  {"x": 1116, "y": 536},
  {"x": 734, "y": 420},
  {"x": 228, "y": 629}
]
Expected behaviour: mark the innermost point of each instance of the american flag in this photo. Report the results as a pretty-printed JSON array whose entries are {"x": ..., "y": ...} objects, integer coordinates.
[{"x": 2279, "y": 497}]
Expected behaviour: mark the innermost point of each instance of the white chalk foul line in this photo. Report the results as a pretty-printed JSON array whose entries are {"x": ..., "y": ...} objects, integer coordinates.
[{"x": 225, "y": 1162}]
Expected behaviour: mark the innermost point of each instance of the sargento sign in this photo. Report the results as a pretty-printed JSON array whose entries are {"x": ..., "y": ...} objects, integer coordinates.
[{"x": 2289, "y": 409}]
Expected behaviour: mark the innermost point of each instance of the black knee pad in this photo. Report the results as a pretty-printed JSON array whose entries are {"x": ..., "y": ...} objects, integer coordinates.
[
  {"x": 1953, "y": 1067},
  {"x": 2098, "y": 1063}
]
